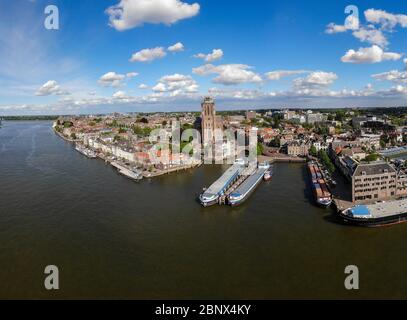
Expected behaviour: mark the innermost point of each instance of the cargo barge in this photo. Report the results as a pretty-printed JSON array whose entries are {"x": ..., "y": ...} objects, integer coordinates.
[
  {"x": 242, "y": 193},
  {"x": 212, "y": 195},
  {"x": 319, "y": 186},
  {"x": 376, "y": 215}
]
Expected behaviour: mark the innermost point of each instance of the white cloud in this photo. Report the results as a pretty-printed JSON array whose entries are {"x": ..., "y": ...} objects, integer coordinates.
[
  {"x": 160, "y": 87},
  {"x": 215, "y": 55},
  {"x": 129, "y": 14},
  {"x": 229, "y": 74},
  {"x": 227, "y": 97},
  {"x": 51, "y": 87},
  {"x": 351, "y": 23},
  {"x": 372, "y": 54},
  {"x": 176, "y": 84},
  {"x": 387, "y": 21},
  {"x": 111, "y": 79},
  {"x": 335, "y": 28},
  {"x": 394, "y": 76},
  {"x": 279, "y": 74},
  {"x": 372, "y": 36},
  {"x": 405, "y": 63},
  {"x": 148, "y": 55},
  {"x": 143, "y": 86},
  {"x": 399, "y": 89},
  {"x": 120, "y": 95},
  {"x": 315, "y": 80},
  {"x": 241, "y": 94},
  {"x": 176, "y": 47},
  {"x": 131, "y": 75}
]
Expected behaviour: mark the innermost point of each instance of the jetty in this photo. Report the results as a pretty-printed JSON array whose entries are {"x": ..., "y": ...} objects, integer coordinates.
[
  {"x": 213, "y": 194},
  {"x": 128, "y": 172},
  {"x": 235, "y": 185}
]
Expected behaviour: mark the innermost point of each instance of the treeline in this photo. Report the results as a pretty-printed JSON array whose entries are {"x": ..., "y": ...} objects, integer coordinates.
[{"x": 28, "y": 118}]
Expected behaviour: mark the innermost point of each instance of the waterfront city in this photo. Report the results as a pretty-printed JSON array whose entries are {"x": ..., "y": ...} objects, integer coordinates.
[
  {"x": 365, "y": 146},
  {"x": 195, "y": 151}
]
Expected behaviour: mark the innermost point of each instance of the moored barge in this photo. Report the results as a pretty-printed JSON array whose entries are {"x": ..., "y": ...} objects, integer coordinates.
[
  {"x": 376, "y": 215},
  {"x": 212, "y": 195},
  {"x": 242, "y": 193},
  {"x": 322, "y": 195}
]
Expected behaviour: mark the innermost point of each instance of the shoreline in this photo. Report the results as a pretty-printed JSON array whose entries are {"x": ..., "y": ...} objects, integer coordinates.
[{"x": 125, "y": 172}]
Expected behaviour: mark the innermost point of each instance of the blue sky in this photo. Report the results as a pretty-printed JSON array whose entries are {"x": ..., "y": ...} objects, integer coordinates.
[{"x": 247, "y": 54}]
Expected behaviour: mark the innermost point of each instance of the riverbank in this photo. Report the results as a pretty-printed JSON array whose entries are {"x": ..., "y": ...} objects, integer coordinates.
[
  {"x": 129, "y": 171},
  {"x": 64, "y": 137}
]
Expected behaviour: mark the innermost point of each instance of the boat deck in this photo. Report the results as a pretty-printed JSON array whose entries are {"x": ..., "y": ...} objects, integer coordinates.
[
  {"x": 220, "y": 185},
  {"x": 381, "y": 210},
  {"x": 250, "y": 181}
]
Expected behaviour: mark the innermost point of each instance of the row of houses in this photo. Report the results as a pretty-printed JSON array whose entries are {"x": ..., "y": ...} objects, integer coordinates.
[{"x": 140, "y": 154}]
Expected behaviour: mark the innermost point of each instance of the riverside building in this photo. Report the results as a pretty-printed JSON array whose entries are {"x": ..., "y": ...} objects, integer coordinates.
[{"x": 374, "y": 181}]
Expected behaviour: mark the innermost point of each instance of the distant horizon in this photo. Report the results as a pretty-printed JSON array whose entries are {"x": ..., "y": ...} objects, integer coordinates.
[{"x": 198, "y": 111}]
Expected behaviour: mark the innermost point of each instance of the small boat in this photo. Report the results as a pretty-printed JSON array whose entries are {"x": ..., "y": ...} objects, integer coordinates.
[
  {"x": 86, "y": 152},
  {"x": 268, "y": 175}
]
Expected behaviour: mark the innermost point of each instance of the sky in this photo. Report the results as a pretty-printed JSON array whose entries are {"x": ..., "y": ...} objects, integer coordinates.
[{"x": 103, "y": 56}]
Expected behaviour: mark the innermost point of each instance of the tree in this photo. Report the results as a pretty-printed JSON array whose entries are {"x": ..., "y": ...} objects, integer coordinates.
[
  {"x": 260, "y": 149},
  {"x": 277, "y": 120},
  {"x": 322, "y": 130},
  {"x": 382, "y": 143},
  {"x": 372, "y": 157},
  {"x": 340, "y": 115},
  {"x": 326, "y": 161},
  {"x": 313, "y": 151},
  {"x": 187, "y": 126},
  {"x": 275, "y": 143}
]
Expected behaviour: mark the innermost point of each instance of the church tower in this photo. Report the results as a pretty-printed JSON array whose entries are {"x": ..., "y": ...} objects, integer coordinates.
[{"x": 210, "y": 121}]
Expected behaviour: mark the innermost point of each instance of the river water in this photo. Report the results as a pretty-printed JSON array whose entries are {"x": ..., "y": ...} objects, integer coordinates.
[{"x": 114, "y": 238}]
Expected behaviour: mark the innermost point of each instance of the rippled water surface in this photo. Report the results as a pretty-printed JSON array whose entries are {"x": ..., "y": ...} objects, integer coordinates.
[{"x": 114, "y": 238}]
